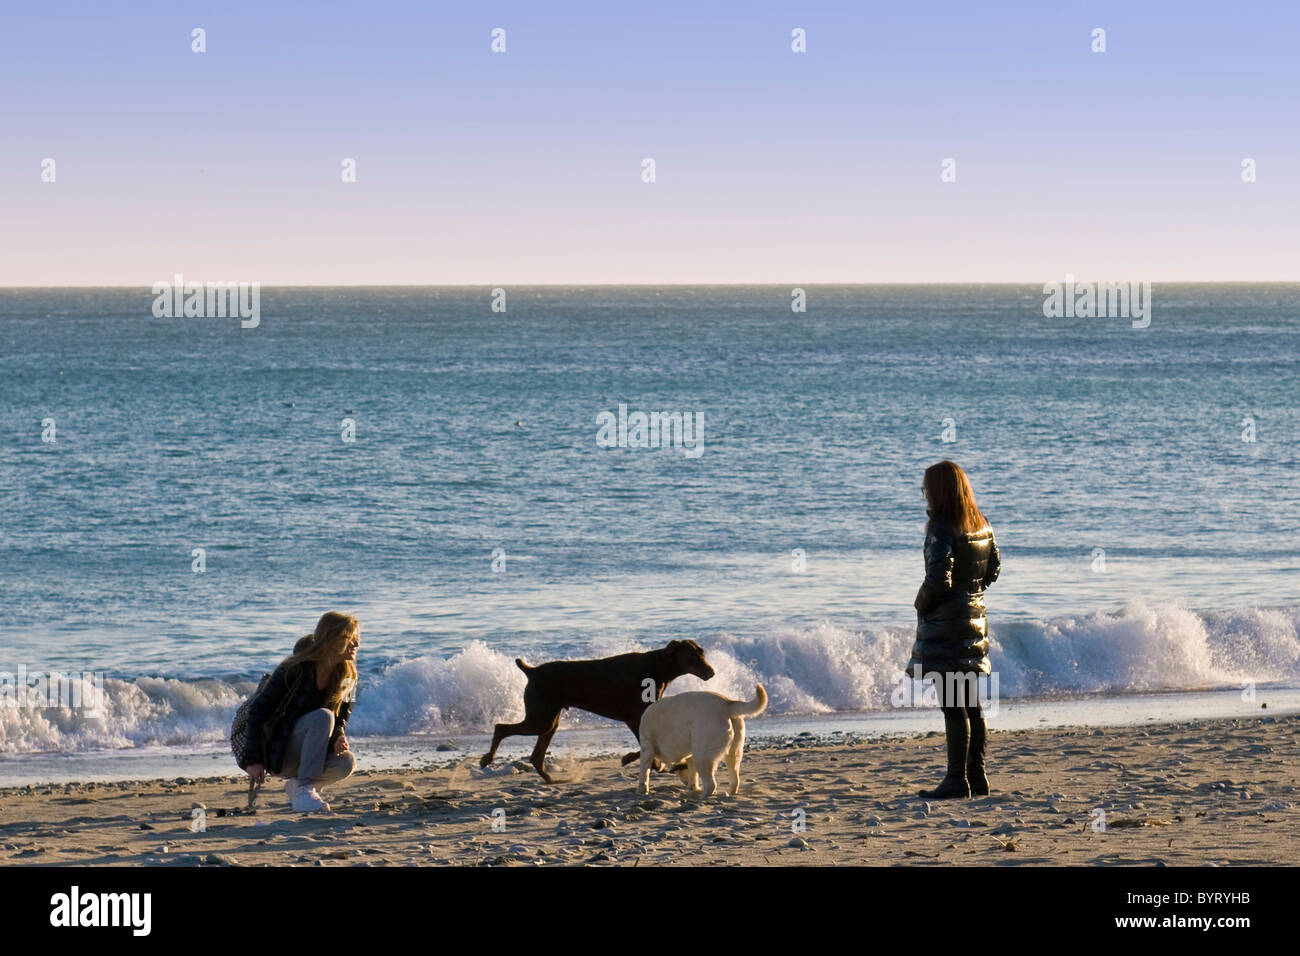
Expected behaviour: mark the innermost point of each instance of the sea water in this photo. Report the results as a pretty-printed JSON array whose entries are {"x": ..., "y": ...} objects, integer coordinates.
[{"x": 183, "y": 497}]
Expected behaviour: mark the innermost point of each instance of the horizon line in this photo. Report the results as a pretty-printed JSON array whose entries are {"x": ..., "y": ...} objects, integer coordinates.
[{"x": 570, "y": 285}]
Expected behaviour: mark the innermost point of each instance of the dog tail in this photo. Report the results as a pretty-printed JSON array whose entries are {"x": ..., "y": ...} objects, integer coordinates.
[
  {"x": 750, "y": 708},
  {"x": 523, "y": 665}
]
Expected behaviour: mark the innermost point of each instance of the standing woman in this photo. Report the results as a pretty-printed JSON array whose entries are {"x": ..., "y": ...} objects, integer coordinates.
[
  {"x": 295, "y": 725},
  {"x": 952, "y": 645}
]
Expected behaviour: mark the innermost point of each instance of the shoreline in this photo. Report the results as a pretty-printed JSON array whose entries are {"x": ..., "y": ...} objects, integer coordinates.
[
  {"x": 1216, "y": 791},
  {"x": 434, "y": 749}
]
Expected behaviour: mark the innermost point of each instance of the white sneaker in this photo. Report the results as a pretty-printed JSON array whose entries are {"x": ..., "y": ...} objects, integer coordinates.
[
  {"x": 306, "y": 799},
  {"x": 291, "y": 788}
]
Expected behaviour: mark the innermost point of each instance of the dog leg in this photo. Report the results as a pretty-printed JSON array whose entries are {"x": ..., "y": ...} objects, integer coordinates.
[
  {"x": 689, "y": 775},
  {"x": 525, "y": 728},
  {"x": 708, "y": 776},
  {"x": 643, "y": 772},
  {"x": 499, "y": 733},
  {"x": 635, "y": 727},
  {"x": 658, "y": 765},
  {"x": 635, "y": 755},
  {"x": 736, "y": 753},
  {"x": 538, "y": 759}
]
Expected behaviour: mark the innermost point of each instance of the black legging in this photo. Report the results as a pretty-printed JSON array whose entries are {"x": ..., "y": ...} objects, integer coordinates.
[{"x": 958, "y": 697}]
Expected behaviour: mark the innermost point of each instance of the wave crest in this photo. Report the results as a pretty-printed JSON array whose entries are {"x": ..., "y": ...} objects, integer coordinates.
[{"x": 806, "y": 671}]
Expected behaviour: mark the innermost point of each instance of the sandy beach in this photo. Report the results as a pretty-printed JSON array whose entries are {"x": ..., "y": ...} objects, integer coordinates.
[{"x": 1219, "y": 792}]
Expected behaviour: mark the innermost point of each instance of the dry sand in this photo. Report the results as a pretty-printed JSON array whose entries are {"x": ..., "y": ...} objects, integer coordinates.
[{"x": 1220, "y": 792}]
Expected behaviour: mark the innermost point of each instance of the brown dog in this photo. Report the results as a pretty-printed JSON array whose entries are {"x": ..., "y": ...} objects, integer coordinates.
[{"x": 614, "y": 687}]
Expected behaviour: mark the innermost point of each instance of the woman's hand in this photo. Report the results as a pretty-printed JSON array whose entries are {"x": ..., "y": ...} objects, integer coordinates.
[
  {"x": 340, "y": 745},
  {"x": 256, "y": 772}
]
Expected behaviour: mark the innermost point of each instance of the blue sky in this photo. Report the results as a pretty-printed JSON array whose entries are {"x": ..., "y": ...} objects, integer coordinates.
[{"x": 524, "y": 167}]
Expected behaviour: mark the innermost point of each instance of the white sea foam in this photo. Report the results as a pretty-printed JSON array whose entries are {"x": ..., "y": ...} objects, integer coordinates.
[
  {"x": 806, "y": 671},
  {"x": 147, "y": 710}
]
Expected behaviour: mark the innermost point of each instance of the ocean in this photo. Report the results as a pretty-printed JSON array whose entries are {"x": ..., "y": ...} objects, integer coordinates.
[{"x": 183, "y": 497}]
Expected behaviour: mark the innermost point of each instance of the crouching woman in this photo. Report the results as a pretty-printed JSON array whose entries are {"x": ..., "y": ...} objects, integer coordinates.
[{"x": 296, "y": 724}]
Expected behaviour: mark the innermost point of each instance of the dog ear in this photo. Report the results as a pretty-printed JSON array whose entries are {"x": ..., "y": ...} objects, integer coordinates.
[{"x": 673, "y": 646}]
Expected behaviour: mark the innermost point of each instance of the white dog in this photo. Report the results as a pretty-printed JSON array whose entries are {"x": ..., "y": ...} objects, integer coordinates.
[{"x": 699, "y": 728}]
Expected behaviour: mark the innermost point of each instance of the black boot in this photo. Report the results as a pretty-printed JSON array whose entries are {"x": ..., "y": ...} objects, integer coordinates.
[
  {"x": 954, "y": 784},
  {"x": 979, "y": 784}
]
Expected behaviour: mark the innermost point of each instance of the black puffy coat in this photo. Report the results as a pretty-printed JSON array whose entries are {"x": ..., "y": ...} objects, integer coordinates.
[
  {"x": 288, "y": 695},
  {"x": 951, "y": 629}
]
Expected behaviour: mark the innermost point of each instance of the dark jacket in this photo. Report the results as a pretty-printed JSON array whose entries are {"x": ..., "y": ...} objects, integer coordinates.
[
  {"x": 951, "y": 629},
  {"x": 288, "y": 695}
]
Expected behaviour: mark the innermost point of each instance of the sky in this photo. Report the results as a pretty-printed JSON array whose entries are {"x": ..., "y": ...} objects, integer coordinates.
[{"x": 525, "y": 167}]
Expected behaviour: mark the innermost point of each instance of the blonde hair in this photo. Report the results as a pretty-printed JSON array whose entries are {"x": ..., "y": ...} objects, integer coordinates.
[{"x": 333, "y": 630}]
